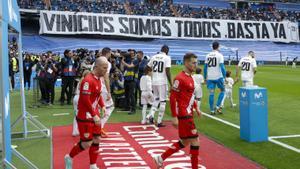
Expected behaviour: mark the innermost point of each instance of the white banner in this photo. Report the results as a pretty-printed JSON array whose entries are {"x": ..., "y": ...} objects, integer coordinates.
[{"x": 58, "y": 22}]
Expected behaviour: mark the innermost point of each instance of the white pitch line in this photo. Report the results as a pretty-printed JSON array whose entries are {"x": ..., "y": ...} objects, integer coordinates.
[
  {"x": 221, "y": 120},
  {"x": 284, "y": 145},
  {"x": 35, "y": 116},
  {"x": 271, "y": 139},
  {"x": 287, "y": 136},
  {"x": 61, "y": 114}
]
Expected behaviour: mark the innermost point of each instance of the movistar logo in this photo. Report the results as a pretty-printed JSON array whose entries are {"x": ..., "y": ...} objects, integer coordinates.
[
  {"x": 244, "y": 94},
  {"x": 258, "y": 95}
]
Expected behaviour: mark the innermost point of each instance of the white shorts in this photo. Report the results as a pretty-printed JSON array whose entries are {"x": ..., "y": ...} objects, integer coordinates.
[
  {"x": 75, "y": 103},
  {"x": 198, "y": 93},
  {"x": 160, "y": 92},
  {"x": 228, "y": 93},
  {"x": 147, "y": 97},
  {"x": 247, "y": 83}
]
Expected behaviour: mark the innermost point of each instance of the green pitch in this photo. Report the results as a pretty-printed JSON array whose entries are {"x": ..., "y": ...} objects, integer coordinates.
[{"x": 283, "y": 84}]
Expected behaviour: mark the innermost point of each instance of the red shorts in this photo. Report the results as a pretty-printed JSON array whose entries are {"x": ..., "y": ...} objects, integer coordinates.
[
  {"x": 187, "y": 128},
  {"x": 88, "y": 130}
]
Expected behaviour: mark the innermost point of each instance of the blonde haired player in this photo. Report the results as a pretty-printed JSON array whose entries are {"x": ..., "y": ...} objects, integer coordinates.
[
  {"x": 147, "y": 95},
  {"x": 248, "y": 69},
  {"x": 199, "y": 80},
  {"x": 229, "y": 82},
  {"x": 75, "y": 131}
]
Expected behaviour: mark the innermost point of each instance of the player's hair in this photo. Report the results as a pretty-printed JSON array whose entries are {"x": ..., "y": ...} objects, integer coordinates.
[
  {"x": 251, "y": 53},
  {"x": 188, "y": 56},
  {"x": 141, "y": 52},
  {"x": 215, "y": 45},
  {"x": 228, "y": 73},
  {"x": 105, "y": 51},
  {"x": 147, "y": 69},
  {"x": 165, "y": 49},
  {"x": 198, "y": 70}
]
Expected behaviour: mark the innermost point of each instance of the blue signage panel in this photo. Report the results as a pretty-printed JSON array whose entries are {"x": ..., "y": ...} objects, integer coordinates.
[{"x": 253, "y": 114}]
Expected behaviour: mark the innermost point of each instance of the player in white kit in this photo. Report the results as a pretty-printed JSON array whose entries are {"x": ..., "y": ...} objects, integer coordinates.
[
  {"x": 214, "y": 75},
  {"x": 106, "y": 94},
  {"x": 199, "y": 80},
  {"x": 146, "y": 89},
  {"x": 229, "y": 82},
  {"x": 160, "y": 65},
  {"x": 248, "y": 69}
]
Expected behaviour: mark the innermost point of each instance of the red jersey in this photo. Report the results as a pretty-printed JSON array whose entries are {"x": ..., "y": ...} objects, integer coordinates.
[
  {"x": 89, "y": 98},
  {"x": 182, "y": 98}
]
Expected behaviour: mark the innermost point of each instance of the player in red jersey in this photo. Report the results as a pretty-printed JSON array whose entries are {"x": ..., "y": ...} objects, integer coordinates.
[
  {"x": 88, "y": 117},
  {"x": 182, "y": 102}
]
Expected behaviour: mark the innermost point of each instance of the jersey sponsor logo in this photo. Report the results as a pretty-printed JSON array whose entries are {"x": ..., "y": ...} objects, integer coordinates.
[
  {"x": 86, "y": 86},
  {"x": 86, "y": 135},
  {"x": 194, "y": 131}
]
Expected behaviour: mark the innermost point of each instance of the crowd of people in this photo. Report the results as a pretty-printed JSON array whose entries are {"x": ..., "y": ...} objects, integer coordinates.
[{"x": 166, "y": 8}]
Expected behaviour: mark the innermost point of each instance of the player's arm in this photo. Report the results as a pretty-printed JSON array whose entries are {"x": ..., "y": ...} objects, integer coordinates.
[
  {"x": 174, "y": 96},
  {"x": 107, "y": 83},
  {"x": 254, "y": 67},
  {"x": 222, "y": 67},
  {"x": 168, "y": 70}
]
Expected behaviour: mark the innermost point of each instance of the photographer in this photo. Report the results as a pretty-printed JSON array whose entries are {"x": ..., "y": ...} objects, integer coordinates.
[
  {"x": 129, "y": 83},
  {"x": 117, "y": 86},
  {"x": 28, "y": 64},
  {"x": 41, "y": 73},
  {"x": 50, "y": 79}
]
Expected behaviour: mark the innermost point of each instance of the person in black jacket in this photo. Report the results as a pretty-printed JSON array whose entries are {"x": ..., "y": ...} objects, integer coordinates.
[
  {"x": 27, "y": 67},
  {"x": 68, "y": 74}
]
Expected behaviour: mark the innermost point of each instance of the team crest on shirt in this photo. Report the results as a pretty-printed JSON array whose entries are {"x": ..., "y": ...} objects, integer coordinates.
[
  {"x": 86, "y": 86},
  {"x": 86, "y": 135}
]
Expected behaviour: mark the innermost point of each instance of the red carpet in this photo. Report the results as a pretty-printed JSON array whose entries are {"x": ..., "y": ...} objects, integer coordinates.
[{"x": 130, "y": 147}]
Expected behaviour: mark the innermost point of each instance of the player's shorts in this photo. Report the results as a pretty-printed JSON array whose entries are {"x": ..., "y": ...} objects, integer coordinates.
[
  {"x": 247, "y": 83},
  {"x": 147, "y": 97},
  {"x": 211, "y": 84},
  {"x": 160, "y": 92},
  {"x": 198, "y": 92},
  {"x": 88, "y": 130},
  {"x": 187, "y": 128},
  {"x": 228, "y": 93}
]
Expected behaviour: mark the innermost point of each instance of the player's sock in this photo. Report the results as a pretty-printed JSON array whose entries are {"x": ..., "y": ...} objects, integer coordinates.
[
  {"x": 144, "y": 111},
  {"x": 220, "y": 98},
  {"x": 76, "y": 150},
  {"x": 93, "y": 153},
  {"x": 161, "y": 113},
  {"x": 173, "y": 149},
  {"x": 153, "y": 108},
  {"x": 194, "y": 151},
  {"x": 199, "y": 104},
  {"x": 109, "y": 110},
  {"x": 211, "y": 101}
]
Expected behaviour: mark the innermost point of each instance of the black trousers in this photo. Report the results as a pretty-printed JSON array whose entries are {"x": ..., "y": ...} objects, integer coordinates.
[
  {"x": 129, "y": 94},
  {"x": 27, "y": 76},
  {"x": 67, "y": 88},
  {"x": 12, "y": 80},
  {"x": 50, "y": 93},
  {"x": 42, "y": 84}
]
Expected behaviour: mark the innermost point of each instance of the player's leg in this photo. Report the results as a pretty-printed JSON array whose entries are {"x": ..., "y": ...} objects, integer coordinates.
[
  {"x": 211, "y": 88},
  {"x": 220, "y": 85},
  {"x": 194, "y": 152},
  {"x": 154, "y": 105},
  {"x": 75, "y": 126},
  {"x": 231, "y": 98},
  {"x": 162, "y": 106},
  {"x": 94, "y": 149},
  {"x": 225, "y": 96},
  {"x": 144, "y": 109},
  {"x": 86, "y": 137}
]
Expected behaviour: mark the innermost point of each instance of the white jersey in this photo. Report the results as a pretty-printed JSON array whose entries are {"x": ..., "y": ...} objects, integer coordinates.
[
  {"x": 247, "y": 64},
  {"x": 229, "y": 82},
  {"x": 159, "y": 63},
  {"x": 146, "y": 83},
  {"x": 213, "y": 61},
  {"x": 198, "y": 79}
]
